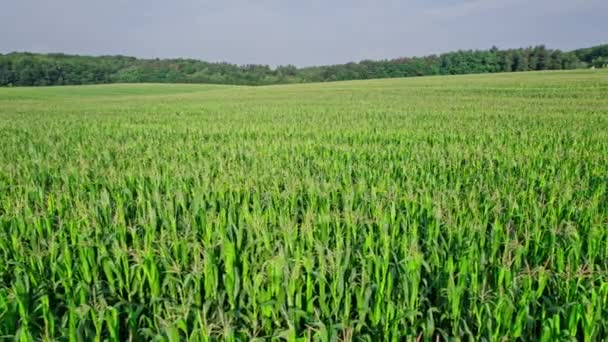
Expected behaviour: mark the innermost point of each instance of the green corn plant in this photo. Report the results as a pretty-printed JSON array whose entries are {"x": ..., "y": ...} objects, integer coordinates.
[{"x": 441, "y": 208}]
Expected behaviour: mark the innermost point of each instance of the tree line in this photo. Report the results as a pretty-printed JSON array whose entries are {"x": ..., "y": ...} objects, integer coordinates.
[{"x": 29, "y": 69}]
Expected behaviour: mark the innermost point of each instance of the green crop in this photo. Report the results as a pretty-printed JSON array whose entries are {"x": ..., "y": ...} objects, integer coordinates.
[{"x": 402, "y": 209}]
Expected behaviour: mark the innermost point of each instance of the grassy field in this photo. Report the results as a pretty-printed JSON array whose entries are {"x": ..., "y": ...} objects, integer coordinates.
[{"x": 436, "y": 207}]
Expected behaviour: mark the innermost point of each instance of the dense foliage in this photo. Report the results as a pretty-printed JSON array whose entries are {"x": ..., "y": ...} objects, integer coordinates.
[
  {"x": 473, "y": 206},
  {"x": 26, "y": 69}
]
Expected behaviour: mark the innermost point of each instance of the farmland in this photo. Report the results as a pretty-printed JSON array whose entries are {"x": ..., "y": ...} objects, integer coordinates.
[{"x": 434, "y": 207}]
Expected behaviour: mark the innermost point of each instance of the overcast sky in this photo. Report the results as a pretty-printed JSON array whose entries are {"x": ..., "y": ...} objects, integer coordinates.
[{"x": 302, "y": 32}]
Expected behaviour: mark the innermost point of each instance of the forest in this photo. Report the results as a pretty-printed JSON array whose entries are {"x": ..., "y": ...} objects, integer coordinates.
[{"x": 30, "y": 69}]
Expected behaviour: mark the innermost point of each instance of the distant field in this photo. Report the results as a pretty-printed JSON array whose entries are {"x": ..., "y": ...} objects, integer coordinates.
[{"x": 436, "y": 207}]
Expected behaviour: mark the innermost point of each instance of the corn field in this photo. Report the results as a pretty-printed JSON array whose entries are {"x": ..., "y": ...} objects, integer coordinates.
[{"x": 423, "y": 209}]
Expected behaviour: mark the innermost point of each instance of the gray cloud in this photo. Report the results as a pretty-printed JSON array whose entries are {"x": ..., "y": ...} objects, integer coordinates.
[{"x": 295, "y": 32}]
